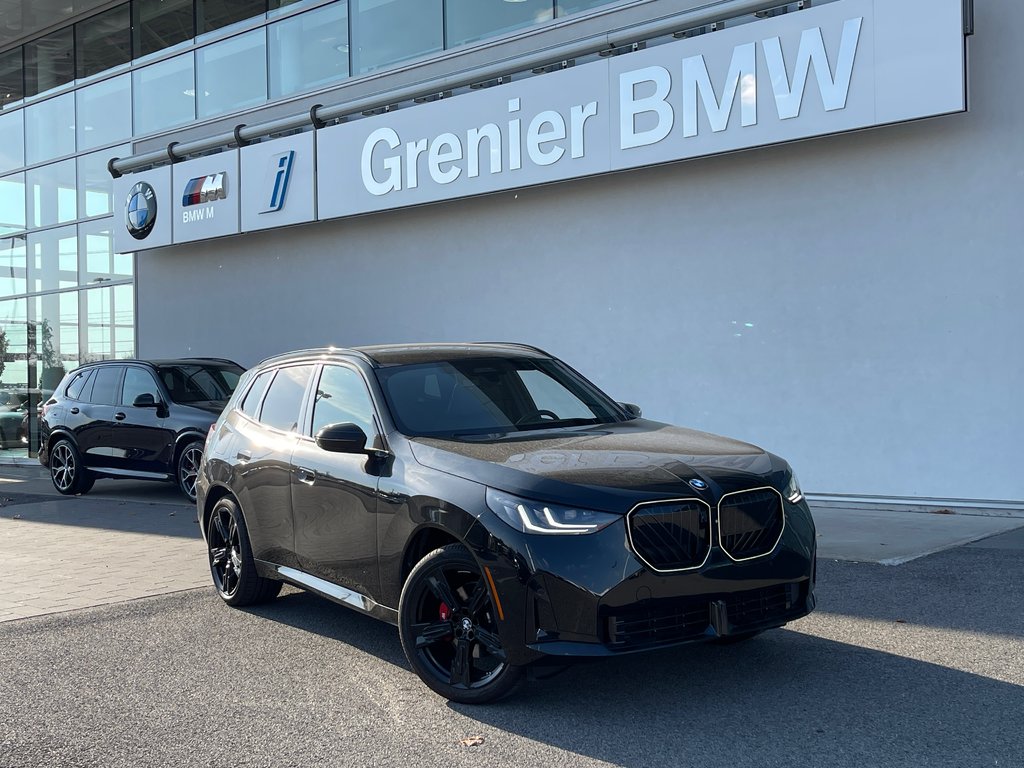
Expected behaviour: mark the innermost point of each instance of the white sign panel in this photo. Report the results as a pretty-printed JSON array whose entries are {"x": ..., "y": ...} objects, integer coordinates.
[
  {"x": 278, "y": 182},
  {"x": 206, "y": 197},
  {"x": 145, "y": 205},
  {"x": 837, "y": 67},
  {"x": 514, "y": 136},
  {"x": 841, "y": 66}
]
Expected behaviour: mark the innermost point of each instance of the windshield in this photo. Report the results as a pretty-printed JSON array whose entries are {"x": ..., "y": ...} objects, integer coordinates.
[
  {"x": 477, "y": 396},
  {"x": 194, "y": 383}
]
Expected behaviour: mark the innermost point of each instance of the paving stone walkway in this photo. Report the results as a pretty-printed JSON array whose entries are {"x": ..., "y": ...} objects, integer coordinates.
[{"x": 115, "y": 544}]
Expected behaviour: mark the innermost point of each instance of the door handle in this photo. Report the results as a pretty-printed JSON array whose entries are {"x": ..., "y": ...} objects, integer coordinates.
[
  {"x": 119, "y": 416},
  {"x": 243, "y": 456},
  {"x": 307, "y": 476},
  {"x": 74, "y": 410}
]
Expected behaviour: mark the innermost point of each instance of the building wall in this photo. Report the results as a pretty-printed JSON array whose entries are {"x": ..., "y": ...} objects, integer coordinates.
[{"x": 850, "y": 302}]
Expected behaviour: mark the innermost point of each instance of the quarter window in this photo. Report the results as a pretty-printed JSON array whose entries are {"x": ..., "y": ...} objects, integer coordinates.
[
  {"x": 342, "y": 397},
  {"x": 252, "y": 397},
  {"x": 74, "y": 390},
  {"x": 284, "y": 398}
]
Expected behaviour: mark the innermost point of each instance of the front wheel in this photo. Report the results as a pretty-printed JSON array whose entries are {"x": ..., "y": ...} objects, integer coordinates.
[
  {"x": 231, "y": 562},
  {"x": 188, "y": 468},
  {"x": 66, "y": 471},
  {"x": 449, "y": 629}
]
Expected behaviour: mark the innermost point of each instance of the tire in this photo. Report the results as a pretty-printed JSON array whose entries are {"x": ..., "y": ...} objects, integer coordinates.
[
  {"x": 68, "y": 474},
  {"x": 186, "y": 468},
  {"x": 231, "y": 563},
  {"x": 449, "y": 631}
]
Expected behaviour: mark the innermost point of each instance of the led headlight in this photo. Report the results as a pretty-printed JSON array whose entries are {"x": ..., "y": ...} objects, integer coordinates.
[
  {"x": 537, "y": 517},
  {"x": 793, "y": 492}
]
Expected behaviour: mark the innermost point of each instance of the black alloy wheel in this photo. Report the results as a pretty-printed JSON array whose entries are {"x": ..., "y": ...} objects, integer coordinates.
[
  {"x": 188, "y": 468},
  {"x": 66, "y": 471},
  {"x": 449, "y": 630},
  {"x": 231, "y": 562}
]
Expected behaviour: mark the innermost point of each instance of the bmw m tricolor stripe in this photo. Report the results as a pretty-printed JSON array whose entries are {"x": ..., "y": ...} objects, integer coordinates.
[{"x": 205, "y": 189}]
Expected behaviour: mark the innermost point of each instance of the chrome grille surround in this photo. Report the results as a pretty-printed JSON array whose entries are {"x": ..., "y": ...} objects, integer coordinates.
[
  {"x": 762, "y": 552},
  {"x": 642, "y": 510}
]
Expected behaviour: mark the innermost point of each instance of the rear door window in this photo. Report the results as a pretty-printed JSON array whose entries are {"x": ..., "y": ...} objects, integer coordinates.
[
  {"x": 106, "y": 383},
  {"x": 283, "y": 402}
]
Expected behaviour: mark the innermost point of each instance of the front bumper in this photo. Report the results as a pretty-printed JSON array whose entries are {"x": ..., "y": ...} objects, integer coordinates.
[{"x": 591, "y": 596}]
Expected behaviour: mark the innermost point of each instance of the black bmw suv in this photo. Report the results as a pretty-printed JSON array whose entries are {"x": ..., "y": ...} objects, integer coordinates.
[
  {"x": 144, "y": 420},
  {"x": 498, "y": 508}
]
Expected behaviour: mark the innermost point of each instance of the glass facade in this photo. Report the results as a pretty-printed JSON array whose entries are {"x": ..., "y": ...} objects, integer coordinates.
[
  {"x": 232, "y": 74},
  {"x": 470, "y": 20},
  {"x": 73, "y": 98},
  {"x": 309, "y": 50},
  {"x": 386, "y": 32},
  {"x": 104, "y": 112},
  {"x": 103, "y": 42},
  {"x": 164, "y": 94},
  {"x": 49, "y": 61}
]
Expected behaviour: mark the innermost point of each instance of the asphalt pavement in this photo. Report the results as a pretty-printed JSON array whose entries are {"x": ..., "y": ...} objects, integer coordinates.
[{"x": 916, "y": 664}]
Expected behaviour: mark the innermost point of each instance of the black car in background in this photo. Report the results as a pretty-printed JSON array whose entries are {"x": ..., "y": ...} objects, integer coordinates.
[
  {"x": 138, "y": 419},
  {"x": 497, "y": 507}
]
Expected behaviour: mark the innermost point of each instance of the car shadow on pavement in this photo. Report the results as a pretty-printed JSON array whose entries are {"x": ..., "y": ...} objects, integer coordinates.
[
  {"x": 125, "y": 516},
  {"x": 965, "y": 589},
  {"x": 781, "y": 699},
  {"x": 311, "y": 613},
  {"x": 784, "y": 698}
]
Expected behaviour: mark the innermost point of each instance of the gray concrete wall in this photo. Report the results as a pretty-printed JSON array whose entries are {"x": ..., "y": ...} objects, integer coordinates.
[{"x": 851, "y": 303}]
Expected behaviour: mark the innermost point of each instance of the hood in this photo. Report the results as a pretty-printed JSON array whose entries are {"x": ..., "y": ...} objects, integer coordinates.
[{"x": 609, "y": 467}]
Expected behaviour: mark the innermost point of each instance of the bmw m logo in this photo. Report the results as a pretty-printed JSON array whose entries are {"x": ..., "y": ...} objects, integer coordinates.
[
  {"x": 140, "y": 213},
  {"x": 205, "y": 189},
  {"x": 699, "y": 485}
]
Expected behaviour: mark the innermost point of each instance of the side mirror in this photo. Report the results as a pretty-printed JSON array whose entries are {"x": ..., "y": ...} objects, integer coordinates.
[
  {"x": 632, "y": 410},
  {"x": 145, "y": 400},
  {"x": 342, "y": 438}
]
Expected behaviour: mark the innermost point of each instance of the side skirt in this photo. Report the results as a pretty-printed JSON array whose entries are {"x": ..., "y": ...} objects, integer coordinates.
[{"x": 338, "y": 594}]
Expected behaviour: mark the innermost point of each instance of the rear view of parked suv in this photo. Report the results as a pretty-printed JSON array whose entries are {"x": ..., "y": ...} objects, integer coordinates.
[{"x": 143, "y": 420}]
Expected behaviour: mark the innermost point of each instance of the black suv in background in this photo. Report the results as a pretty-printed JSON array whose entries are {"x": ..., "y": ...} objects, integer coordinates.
[{"x": 144, "y": 420}]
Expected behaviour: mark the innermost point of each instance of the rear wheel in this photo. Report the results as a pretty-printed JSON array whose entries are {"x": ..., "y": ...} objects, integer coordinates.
[
  {"x": 66, "y": 471},
  {"x": 449, "y": 629},
  {"x": 187, "y": 469},
  {"x": 231, "y": 562}
]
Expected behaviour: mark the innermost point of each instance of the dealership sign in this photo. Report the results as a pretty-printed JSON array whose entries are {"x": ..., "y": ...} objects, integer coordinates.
[{"x": 837, "y": 67}]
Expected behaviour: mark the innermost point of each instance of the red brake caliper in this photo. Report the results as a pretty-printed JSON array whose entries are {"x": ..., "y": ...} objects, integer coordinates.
[{"x": 445, "y": 612}]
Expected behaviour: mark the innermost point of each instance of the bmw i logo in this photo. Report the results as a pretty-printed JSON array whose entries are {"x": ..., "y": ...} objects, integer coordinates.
[
  {"x": 140, "y": 212},
  {"x": 699, "y": 485}
]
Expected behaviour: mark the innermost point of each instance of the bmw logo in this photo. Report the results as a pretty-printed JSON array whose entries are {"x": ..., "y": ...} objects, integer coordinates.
[
  {"x": 699, "y": 485},
  {"x": 140, "y": 212}
]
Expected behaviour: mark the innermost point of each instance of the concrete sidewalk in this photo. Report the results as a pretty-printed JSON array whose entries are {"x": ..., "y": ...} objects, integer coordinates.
[{"x": 126, "y": 540}]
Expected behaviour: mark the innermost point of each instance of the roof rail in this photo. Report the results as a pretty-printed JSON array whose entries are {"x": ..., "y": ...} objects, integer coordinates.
[
  {"x": 518, "y": 344},
  {"x": 321, "y": 350}
]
